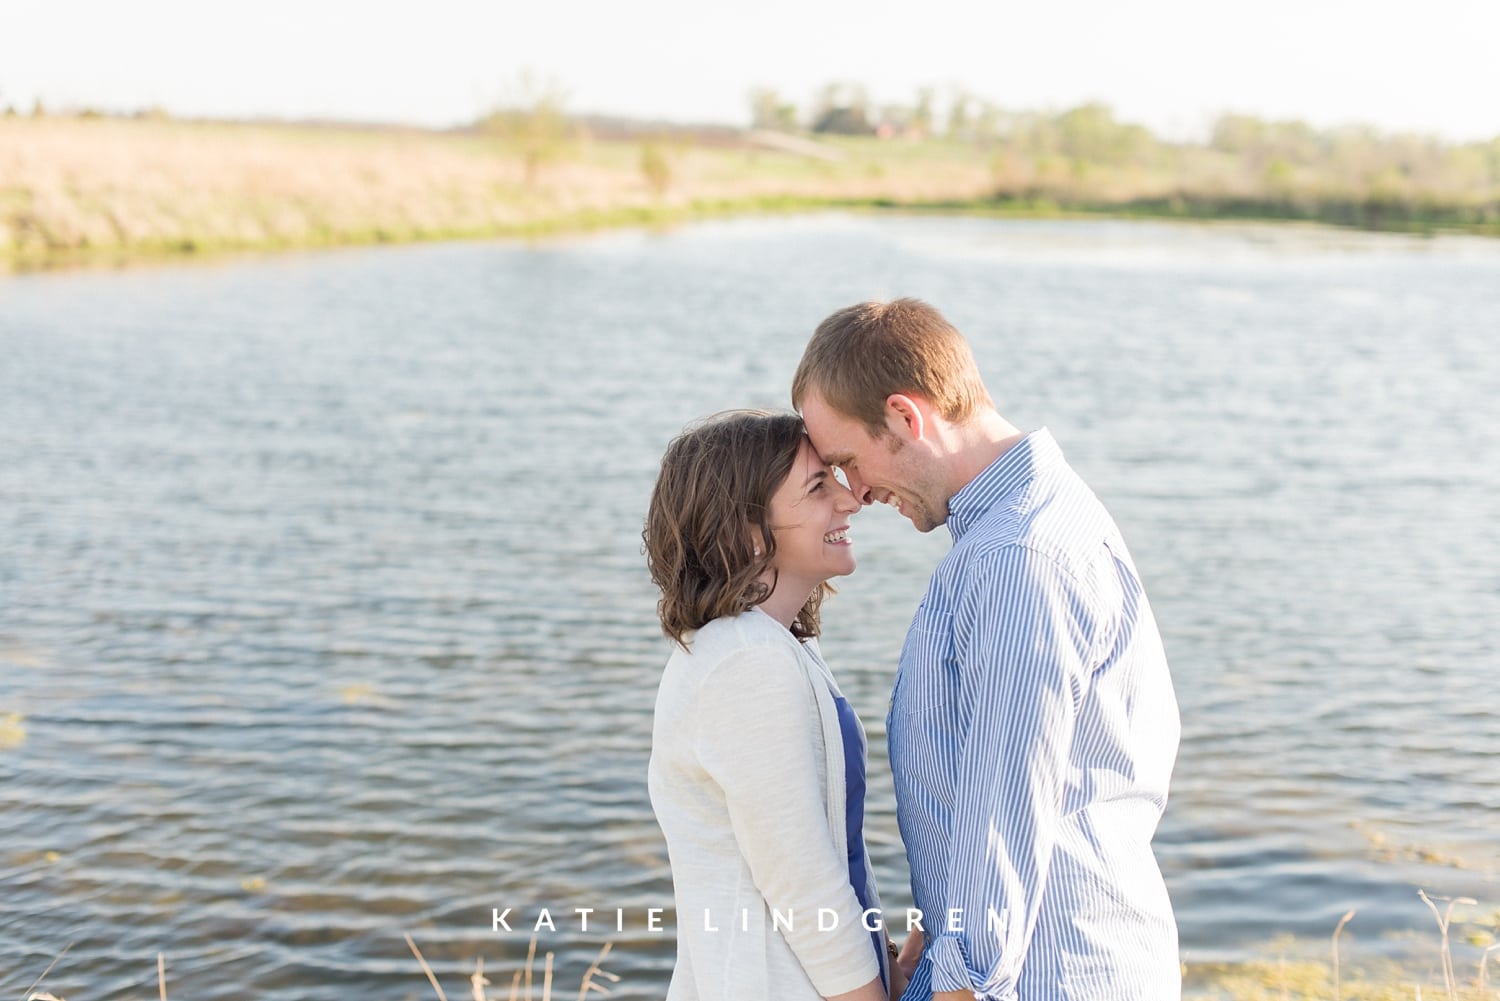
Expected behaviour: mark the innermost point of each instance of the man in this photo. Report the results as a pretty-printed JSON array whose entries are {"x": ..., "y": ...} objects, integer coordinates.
[{"x": 1033, "y": 726}]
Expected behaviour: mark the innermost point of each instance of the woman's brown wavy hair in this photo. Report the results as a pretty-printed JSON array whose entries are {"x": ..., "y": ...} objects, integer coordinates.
[{"x": 716, "y": 482}]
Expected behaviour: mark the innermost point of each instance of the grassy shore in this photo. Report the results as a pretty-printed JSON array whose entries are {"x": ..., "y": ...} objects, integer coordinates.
[
  {"x": 1290, "y": 970},
  {"x": 79, "y": 189},
  {"x": 75, "y": 189},
  {"x": 1281, "y": 979}
]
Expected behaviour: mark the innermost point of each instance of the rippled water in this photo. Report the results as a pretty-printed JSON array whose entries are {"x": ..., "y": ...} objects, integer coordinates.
[{"x": 324, "y": 617}]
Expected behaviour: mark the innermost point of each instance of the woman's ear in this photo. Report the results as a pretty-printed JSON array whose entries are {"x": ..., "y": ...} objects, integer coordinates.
[{"x": 757, "y": 540}]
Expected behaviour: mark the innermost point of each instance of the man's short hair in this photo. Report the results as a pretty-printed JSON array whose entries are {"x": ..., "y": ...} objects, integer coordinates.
[{"x": 859, "y": 356}]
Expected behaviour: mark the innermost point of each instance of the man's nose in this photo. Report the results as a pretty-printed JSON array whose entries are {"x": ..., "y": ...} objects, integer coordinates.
[
  {"x": 858, "y": 488},
  {"x": 847, "y": 502}
]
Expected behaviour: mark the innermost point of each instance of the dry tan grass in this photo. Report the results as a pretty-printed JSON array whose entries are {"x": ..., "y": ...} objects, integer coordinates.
[
  {"x": 71, "y": 188},
  {"x": 523, "y": 981},
  {"x": 1306, "y": 980},
  {"x": 103, "y": 185},
  {"x": 1300, "y": 979}
]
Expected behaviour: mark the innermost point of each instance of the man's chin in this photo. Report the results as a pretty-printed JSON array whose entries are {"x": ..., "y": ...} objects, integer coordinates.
[{"x": 923, "y": 521}]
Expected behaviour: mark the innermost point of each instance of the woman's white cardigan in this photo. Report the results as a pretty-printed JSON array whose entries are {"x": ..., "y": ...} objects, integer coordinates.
[{"x": 747, "y": 780}]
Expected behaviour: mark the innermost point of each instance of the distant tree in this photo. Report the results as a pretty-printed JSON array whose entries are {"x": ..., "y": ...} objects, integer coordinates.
[
  {"x": 840, "y": 94},
  {"x": 845, "y": 121},
  {"x": 986, "y": 122},
  {"x": 655, "y": 168},
  {"x": 897, "y": 117},
  {"x": 1033, "y": 133},
  {"x": 959, "y": 119},
  {"x": 530, "y": 119},
  {"x": 1278, "y": 179},
  {"x": 769, "y": 111},
  {"x": 921, "y": 112},
  {"x": 859, "y": 99},
  {"x": 829, "y": 96},
  {"x": 1258, "y": 142},
  {"x": 1388, "y": 187},
  {"x": 842, "y": 109},
  {"x": 1237, "y": 133},
  {"x": 1090, "y": 132},
  {"x": 1474, "y": 167}
]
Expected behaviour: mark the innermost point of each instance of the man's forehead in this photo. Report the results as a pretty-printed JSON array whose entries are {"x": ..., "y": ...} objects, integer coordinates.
[
  {"x": 833, "y": 451},
  {"x": 837, "y": 442},
  {"x": 836, "y": 435}
]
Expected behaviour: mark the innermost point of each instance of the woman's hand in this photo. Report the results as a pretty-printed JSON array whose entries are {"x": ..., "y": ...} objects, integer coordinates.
[{"x": 906, "y": 963}]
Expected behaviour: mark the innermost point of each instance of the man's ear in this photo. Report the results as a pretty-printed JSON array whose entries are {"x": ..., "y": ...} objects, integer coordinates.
[{"x": 905, "y": 417}]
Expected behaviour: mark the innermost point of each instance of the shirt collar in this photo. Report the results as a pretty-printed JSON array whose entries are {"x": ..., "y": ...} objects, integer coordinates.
[{"x": 1002, "y": 479}]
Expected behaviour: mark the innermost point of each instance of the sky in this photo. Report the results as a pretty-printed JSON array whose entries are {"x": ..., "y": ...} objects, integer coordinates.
[{"x": 1172, "y": 65}]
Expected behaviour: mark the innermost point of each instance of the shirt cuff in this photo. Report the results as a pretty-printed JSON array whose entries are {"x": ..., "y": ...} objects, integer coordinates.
[{"x": 951, "y": 970}]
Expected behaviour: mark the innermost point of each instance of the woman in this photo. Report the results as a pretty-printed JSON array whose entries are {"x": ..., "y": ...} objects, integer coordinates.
[{"x": 757, "y": 762}]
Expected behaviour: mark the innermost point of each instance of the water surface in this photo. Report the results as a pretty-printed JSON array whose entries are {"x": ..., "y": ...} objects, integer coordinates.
[{"x": 322, "y": 602}]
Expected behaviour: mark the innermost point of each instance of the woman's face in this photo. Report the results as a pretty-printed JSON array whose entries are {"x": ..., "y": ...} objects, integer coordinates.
[{"x": 810, "y": 518}]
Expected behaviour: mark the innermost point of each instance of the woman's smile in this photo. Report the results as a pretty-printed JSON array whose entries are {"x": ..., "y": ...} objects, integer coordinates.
[{"x": 810, "y": 521}]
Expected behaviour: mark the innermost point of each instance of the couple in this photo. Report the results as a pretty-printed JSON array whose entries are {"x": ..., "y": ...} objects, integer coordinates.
[{"x": 1032, "y": 729}]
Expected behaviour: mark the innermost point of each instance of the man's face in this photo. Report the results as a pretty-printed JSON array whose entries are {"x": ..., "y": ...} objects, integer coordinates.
[{"x": 888, "y": 468}]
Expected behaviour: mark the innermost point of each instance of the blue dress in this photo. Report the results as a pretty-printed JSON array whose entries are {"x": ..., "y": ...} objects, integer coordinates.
[{"x": 854, "y": 815}]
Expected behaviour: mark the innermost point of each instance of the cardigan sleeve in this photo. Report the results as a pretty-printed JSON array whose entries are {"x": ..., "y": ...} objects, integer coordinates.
[{"x": 757, "y": 737}]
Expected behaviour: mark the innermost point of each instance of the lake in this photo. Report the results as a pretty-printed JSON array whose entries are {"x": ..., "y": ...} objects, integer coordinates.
[{"x": 323, "y": 615}]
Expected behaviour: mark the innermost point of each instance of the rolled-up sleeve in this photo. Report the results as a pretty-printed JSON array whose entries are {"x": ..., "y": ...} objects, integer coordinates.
[{"x": 1021, "y": 642}]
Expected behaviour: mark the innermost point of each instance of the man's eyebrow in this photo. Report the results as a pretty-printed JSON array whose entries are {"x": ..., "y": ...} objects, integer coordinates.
[{"x": 838, "y": 458}]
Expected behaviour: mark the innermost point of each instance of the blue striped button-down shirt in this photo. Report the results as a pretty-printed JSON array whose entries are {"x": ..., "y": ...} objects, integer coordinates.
[{"x": 1032, "y": 734}]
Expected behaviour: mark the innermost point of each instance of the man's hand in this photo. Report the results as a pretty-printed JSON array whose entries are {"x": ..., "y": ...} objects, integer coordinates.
[
  {"x": 911, "y": 953},
  {"x": 905, "y": 964}
]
